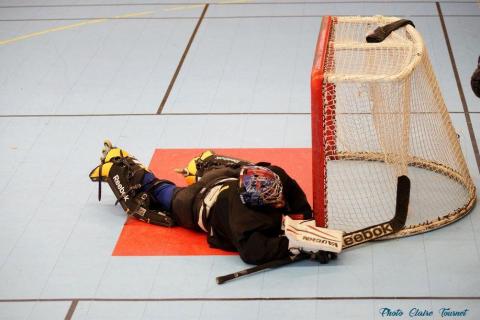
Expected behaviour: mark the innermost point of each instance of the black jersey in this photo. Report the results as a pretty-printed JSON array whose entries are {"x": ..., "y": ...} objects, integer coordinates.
[{"x": 254, "y": 232}]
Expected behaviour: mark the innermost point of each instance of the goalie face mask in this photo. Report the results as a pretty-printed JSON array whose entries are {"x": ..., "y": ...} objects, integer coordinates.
[{"x": 260, "y": 186}]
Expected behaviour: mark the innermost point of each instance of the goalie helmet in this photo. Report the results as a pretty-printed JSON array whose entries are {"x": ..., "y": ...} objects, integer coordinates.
[{"x": 260, "y": 186}]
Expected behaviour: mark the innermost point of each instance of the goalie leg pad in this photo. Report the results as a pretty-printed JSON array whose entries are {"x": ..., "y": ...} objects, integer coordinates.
[
  {"x": 126, "y": 179},
  {"x": 139, "y": 210},
  {"x": 304, "y": 236},
  {"x": 109, "y": 156}
]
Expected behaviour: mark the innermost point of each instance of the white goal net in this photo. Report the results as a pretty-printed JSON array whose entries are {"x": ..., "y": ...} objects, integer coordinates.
[{"x": 378, "y": 113}]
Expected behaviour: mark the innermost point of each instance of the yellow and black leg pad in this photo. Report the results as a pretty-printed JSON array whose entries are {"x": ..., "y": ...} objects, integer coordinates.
[
  {"x": 110, "y": 155},
  {"x": 124, "y": 174},
  {"x": 141, "y": 203}
]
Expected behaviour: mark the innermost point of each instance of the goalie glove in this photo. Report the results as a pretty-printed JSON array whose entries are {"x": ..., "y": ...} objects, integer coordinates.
[
  {"x": 304, "y": 236},
  {"x": 323, "y": 256}
]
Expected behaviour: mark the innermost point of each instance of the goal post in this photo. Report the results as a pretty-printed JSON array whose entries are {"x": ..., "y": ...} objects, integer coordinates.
[
  {"x": 377, "y": 113},
  {"x": 317, "y": 119}
]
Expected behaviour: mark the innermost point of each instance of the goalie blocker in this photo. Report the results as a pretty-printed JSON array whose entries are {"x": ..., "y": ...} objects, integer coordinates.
[{"x": 304, "y": 236}]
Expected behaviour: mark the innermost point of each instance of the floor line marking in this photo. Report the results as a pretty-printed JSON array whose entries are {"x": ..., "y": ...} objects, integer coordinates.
[
  {"x": 191, "y": 299},
  {"x": 72, "y": 26},
  {"x": 182, "y": 60},
  {"x": 136, "y": 3},
  {"x": 66, "y": 115},
  {"x": 468, "y": 119},
  {"x": 194, "y": 6},
  {"x": 188, "y": 7},
  {"x": 71, "y": 310},
  {"x": 238, "y": 17}
]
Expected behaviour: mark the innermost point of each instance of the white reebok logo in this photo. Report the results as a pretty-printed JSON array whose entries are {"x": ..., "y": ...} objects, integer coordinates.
[{"x": 120, "y": 188}]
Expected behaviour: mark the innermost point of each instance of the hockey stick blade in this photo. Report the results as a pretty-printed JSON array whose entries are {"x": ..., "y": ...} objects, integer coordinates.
[
  {"x": 380, "y": 230},
  {"x": 350, "y": 239}
]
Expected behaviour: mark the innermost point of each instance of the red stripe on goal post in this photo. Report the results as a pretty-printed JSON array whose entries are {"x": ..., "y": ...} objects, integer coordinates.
[{"x": 320, "y": 136}]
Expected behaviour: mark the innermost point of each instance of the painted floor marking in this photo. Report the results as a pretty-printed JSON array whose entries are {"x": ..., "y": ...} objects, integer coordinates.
[{"x": 72, "y": 26}]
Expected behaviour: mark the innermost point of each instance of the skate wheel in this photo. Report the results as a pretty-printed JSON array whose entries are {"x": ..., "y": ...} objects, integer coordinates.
[{"x": 108, "y": 144}]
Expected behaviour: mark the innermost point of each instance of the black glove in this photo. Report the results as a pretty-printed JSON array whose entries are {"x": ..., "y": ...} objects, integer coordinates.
[
  {"x": 323, "y": 256},
  {"x": 475, "y": 80},
  {"x": 308, "y": 215}
]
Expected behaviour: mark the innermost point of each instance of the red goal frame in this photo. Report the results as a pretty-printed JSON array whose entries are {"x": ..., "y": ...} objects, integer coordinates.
[{"x": 322, "y": 123}]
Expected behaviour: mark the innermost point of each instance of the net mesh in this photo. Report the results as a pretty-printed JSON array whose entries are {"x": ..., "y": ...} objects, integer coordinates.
[{"x": 383, "y": 116}]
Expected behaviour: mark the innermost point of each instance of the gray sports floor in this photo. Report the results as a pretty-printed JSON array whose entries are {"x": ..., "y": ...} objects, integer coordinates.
[{"x": 180, "y": 75}]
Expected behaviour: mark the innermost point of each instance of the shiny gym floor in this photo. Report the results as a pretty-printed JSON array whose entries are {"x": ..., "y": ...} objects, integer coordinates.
[{"x": 228, "y": 74}]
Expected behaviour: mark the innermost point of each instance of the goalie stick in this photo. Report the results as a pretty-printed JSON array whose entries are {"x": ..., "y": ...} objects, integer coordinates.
[{"x": 350, "y": 239}]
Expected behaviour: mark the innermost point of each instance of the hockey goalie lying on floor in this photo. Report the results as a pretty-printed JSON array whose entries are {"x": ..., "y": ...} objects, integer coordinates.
[{"x": 239, "y": 205}]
